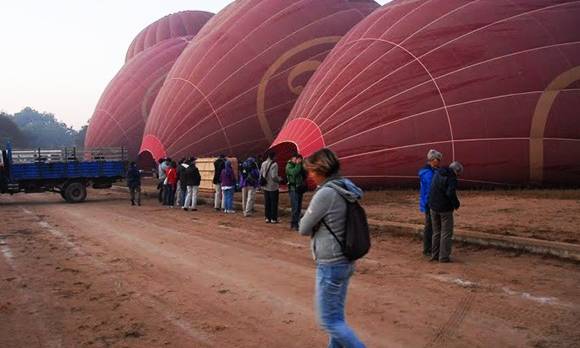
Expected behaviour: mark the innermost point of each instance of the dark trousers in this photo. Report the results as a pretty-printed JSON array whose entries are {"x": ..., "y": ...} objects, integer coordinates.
[
  {"x": 442, "y": 234},
  {"x": 135, "y": 192},
  {"x": 296, "y": 203},
  {"x": 271, "y": 205},
  {"x": 160, "y": 195},
  {"x": 168, "y": 195},
  {"x": 427, "y": 233}
]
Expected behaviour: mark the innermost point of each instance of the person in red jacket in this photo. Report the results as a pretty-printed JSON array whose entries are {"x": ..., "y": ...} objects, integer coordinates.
[{"x": 170, "y": 185}]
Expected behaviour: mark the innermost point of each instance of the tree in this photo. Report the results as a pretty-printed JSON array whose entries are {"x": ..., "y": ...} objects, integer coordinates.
[
  {"x": 43, "y": 129},
  {"x": 9, "y": 132}
]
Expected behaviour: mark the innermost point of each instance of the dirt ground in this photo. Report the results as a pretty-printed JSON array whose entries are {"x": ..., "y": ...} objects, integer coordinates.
[{"x": 105, "y": 274}]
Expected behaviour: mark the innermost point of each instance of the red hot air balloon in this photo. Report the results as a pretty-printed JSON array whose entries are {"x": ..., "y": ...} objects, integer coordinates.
[
  {"x": 493, "y": 84},
  {"x": 185, "y": 23},
  {"x": 235, "y": 84},
  {"x": 121, "y": 113}
]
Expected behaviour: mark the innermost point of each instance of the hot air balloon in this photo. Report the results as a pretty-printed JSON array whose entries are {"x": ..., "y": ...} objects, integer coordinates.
[
  {"x": 121, "y": 113},
  {"x": 495, "y": 85},
  {"x": 233, "y": 87}
]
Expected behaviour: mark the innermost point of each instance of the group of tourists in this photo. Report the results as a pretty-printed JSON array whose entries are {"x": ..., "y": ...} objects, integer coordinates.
[{"x": 325, "y": 220}]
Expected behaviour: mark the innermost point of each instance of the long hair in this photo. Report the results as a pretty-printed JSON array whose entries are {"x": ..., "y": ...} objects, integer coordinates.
[{"x": 323, "y": 162}]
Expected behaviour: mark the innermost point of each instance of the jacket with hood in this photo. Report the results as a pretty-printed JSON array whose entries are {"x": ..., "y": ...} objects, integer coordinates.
[
  {"x": 192, "y": 177},
  {"x": 295, "y": 175},
  {"x": 443, "y": 195},
  {"x": 133, "y": 177},
  {"x": 329, "y": 203},
  {"x": 425, "y": 177},
  {"x": 227, "y": 177},
  {"x": 250, "y": 176},
  {"x": 218, "y": 166}
]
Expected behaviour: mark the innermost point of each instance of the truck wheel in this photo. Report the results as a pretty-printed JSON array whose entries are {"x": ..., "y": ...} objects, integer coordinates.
[{"x": 75, "y": 192}]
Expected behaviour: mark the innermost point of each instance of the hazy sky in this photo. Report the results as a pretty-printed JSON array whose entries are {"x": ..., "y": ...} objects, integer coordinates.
[{"x": 59, "y": 55}]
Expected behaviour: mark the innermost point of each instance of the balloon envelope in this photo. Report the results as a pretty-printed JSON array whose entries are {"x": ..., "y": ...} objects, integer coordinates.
[
  {"x": 494, "y": 85},
  {"x": 235, "y": 84}
]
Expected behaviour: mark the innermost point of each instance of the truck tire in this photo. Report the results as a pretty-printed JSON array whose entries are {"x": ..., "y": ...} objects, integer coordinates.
[{"x": 75, "y": 192}]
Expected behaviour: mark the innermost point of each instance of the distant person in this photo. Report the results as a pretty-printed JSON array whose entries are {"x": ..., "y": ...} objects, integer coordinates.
[
  {"x": 134, "y": 183},
  {"x": 443, "y": 201},
  {"x": 170, "y": 185},
  {"x": 249, "y": 183},
  {"x": 181, "y": 187},
  {"x": 296, "y": 178},
  {"x": 328, "y": 207},
  {"x": 228, "y": 186},
  {"x": 162, "y": 168},
  {"x": 270, "y": 183},
  {"x": 218, "y": 166},
  {"x": 426, "y": 173},
  {"x": 192, "y": 180}
]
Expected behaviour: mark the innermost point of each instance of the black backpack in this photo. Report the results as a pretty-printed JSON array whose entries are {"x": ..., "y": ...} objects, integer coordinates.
[{"x": 357, "y": 237}]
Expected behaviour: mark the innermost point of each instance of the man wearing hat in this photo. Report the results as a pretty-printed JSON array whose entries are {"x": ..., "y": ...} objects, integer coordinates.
[{"x": 426, "y": 173}]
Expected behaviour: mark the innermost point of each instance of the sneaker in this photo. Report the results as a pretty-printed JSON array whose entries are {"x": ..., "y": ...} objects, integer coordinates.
[
  {"x": 185, "y": 209},
  {"x": 132, "y": 203},
  {"x": 268, "y": 221},
  {"x": 445, "y": 260},
  {"x": 194, "y": 209},
  {"x": 275, "y": 221},
  {"x": 217, "y": 209}
]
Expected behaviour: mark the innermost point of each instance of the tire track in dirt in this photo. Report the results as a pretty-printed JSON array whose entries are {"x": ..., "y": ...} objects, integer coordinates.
[{"x": 454, "y": 322}]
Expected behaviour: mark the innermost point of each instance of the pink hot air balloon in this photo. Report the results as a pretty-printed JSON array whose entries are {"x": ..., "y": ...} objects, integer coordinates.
[
  {"x": 180, "y": 24},
  {"x": 124, "y": 107},
  {"x": 235, "y": 84},
  {"x": 493, "y": 84}
]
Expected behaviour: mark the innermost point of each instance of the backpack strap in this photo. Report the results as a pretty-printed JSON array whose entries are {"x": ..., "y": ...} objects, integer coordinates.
[{"x": 331, "y": 232}]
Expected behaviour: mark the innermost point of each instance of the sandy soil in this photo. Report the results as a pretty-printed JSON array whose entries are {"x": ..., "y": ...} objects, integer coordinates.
[{"x": 105, "y": 274}]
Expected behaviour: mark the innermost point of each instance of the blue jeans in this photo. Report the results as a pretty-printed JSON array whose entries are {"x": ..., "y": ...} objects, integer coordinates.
[
  {"x": 331, "y": 287},
  {"x": 296, "y": 202},
  {"x": 229, "y": 199},
  {"x": 168, "y": 195}
]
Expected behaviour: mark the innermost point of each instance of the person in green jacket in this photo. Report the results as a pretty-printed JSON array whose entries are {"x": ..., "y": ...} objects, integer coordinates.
[{"x": 296, "y": 178}]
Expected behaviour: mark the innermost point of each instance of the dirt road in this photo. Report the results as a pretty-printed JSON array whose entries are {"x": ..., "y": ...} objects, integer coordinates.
[{"x": 105, "y": 274}]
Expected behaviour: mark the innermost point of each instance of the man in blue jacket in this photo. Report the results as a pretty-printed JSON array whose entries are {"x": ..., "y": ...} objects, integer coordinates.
[{"x": 425, "y": 177}]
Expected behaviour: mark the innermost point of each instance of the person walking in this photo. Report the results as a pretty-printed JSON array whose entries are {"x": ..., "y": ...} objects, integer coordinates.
[
  {"x": 192, "y": 179},
  {"x": 426, "y": 173},
  {"x": 270, "y": 186},
  {"x": 328, "y": 207},
  {"x": 443, "y": 201},
  {"x": 228, "y": 183},
  {"x": 170, "y": 185},
  {"x": 296, "y": 179},
  {"x": 134, "y": 183},
  {"x": 218, "y": 166},
  {"x": 249, "y": 182}
]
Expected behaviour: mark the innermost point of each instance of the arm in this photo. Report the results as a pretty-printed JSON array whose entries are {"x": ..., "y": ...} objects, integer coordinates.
[
  {"x": 316, "y": 211},
  {"x": 451, "y": 192}
]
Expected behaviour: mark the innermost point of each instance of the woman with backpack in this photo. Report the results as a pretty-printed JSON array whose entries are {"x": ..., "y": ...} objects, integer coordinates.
[
  {"x": 249, "y": 182},
  {"x": 228, "y": 183},
  {"x": 325, "y": 222}
]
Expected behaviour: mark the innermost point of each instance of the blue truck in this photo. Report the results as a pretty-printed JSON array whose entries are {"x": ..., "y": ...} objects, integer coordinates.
[{"x": 66, "y": 171}]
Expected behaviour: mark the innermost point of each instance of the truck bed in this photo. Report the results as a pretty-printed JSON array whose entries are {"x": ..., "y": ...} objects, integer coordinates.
[{"x": 68, "y": 170}]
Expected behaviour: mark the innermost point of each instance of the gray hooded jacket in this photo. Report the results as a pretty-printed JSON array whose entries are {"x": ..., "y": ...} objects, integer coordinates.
[{"x": 329, "y": 204}]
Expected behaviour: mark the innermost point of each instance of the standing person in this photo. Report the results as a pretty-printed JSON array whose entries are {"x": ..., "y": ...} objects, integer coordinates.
[
  {"x": 134, "y": 183},
  {"x": 333, "y": 270},
  {"x": 228, "y": 182},
  {"x": 249, "y": 182},
  {"x": 270, "y": 186},
  {"x": 192, "y": 179},
  {"x": 181, "y": 187},
  {"x": 443, "y": 201},
  {"x": 218, "y": 166},
  {"x": 161, "y": 176},
  {"x": 426, "y": 173},
  {"x": 170, "y": 185},
  {"x": 296, "y": 178}
]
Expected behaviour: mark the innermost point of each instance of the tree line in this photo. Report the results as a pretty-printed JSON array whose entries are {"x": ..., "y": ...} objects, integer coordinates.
[{"x": 32, "y": 129}]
